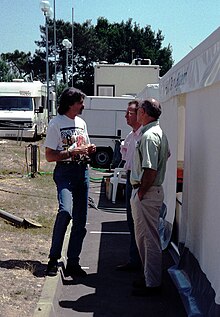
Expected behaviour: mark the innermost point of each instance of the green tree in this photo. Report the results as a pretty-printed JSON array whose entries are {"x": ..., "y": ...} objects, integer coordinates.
[
  {"x": 120, "y": 42},
  {"x": 7, "y": 71},
  {"x": 20, "y": 62},
  {"x": 4, "y": 71},
  {"x": 112, "y": 42}
]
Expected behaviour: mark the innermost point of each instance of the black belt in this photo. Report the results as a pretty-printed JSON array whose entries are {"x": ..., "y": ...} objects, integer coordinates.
[
  {"x": 135, "y": 186},
  {"x": 75, "y": 163}
]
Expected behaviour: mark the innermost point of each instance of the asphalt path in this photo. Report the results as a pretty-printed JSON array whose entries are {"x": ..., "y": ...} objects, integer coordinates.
[{"x": 105, "y": 292}]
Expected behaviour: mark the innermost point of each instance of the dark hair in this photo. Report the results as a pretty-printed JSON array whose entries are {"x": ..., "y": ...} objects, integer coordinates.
[
  {"x": 68, "y": 97},
  {"x": 134, "y": 102},
  {"x": 152, "y": 107}
]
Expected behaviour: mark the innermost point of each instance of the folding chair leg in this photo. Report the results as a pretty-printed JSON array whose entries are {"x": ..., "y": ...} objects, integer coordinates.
[{"x": 114, "y": 191}]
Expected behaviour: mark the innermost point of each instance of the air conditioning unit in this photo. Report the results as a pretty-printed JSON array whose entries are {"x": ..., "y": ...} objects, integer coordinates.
[{"x": 141, "y": 61}]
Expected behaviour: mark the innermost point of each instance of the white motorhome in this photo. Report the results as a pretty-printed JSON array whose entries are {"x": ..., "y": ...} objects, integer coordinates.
[
  {"x": 23, "y": 109},
  {"x": 105, "y": 118}
]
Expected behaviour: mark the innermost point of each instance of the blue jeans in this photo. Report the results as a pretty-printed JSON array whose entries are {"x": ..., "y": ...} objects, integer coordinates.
[
  {"x": 134, "y": 257},
  {"x": 72, "y": 181}
]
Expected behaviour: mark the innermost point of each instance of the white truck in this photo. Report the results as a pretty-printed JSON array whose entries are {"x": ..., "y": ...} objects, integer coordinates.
[
  {"x": 105, "y": 118},
  {"x": 23, "y": 109}
]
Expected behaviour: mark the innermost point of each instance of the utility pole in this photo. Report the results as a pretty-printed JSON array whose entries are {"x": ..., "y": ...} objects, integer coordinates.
[
  {"x": 55, "y": 52},
  {"x": 72, "y": 41}
]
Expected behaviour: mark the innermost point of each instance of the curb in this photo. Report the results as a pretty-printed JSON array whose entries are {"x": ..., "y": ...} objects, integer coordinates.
[{"x": 46, "y": 304}]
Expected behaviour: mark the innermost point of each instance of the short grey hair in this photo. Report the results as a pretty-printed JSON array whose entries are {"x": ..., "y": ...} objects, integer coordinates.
[{"x": 152, "y": 107}]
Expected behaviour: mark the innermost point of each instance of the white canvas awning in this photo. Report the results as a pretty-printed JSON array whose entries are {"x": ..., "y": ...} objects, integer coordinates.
[
  {"x": 199, "y": 69},
  {"x": 192, "y": 89}
]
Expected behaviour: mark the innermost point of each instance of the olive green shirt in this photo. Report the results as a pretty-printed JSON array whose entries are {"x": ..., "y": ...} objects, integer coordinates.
[{"x": 151, "y": 152}]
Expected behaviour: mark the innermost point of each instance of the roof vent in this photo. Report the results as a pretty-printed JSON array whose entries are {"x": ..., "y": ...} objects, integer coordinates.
[{"x": 141, "y": 61}]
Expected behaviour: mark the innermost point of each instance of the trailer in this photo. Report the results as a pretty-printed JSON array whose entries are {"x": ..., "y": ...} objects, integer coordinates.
[
  {"x": 123, "y": 78},
  {"x": 23, "y": 109}
]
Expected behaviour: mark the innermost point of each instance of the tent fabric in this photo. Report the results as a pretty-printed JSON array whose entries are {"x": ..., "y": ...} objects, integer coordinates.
[
  {"x": 201, "y": 199},
  {"x": 170, "y": 115},
  {"x": 195, "y": 290},
  {"x": 200, "y": 68},
  {"x": 194, "y": 85}
]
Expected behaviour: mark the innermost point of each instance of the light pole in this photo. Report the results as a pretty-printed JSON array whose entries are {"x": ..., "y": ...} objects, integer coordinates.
[
  {"x": 47, "y": 11},
  {"x": 55, "y": 50},
  {"x": 72, "y": 40},
  {"x": 67, "y": 44},
  {"x": 132, "y": 54}
]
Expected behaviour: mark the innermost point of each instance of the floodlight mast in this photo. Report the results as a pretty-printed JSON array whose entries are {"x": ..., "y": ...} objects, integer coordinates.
[
  {"x": 67, "y": 44},
  {"x": 47, "y": 11}
]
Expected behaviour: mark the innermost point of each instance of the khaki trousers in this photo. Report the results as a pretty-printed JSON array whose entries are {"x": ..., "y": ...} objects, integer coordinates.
[{"x": 146, "y": 224}]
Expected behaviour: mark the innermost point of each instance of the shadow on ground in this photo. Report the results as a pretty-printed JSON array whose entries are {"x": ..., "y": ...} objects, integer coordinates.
[
  {"x": 110, "y": 290},
  {"x": 112, "y": 297},
  {"x": 35, "y": 267}
]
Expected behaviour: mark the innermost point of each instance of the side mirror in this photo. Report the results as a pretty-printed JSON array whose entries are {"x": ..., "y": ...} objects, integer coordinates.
[{"x": 39, "y": 110}]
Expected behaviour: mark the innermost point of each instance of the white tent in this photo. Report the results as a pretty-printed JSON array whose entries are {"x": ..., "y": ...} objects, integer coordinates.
[{"x": 191, "y": 90}]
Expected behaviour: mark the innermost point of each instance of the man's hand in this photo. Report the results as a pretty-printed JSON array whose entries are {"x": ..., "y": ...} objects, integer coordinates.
[
  {"x": 82, "y": 149},
  {"x": 147, "y": 180},
  {"x": 91, "y": 148},
  {"x": 140, "y": 195}
]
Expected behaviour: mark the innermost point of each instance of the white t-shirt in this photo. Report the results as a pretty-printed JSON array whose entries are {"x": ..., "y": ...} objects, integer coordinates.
[{"x": 63, "y": 132}]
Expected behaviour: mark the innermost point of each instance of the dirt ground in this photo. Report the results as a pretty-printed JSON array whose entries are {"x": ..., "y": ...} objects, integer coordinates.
[{"x": 24, "y": 251}]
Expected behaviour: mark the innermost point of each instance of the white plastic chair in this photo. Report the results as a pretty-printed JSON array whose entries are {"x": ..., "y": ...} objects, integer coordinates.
[{"x": 119, "y": 177}]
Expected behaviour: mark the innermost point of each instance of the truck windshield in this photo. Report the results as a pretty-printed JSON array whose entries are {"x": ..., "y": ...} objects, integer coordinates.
[{"x": 16, "y": 103}]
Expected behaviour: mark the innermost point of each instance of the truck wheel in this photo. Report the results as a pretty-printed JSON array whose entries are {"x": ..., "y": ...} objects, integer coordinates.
[{"x": 102, "y": 157}]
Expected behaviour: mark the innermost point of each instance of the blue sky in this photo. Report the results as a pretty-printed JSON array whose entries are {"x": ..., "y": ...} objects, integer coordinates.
[{"x": 184, "y": 23}]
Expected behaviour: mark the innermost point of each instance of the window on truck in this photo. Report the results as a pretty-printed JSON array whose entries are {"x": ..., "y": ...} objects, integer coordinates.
[
  {"x": 106, "y": 90},
  {"x": 16, "y": 103}
]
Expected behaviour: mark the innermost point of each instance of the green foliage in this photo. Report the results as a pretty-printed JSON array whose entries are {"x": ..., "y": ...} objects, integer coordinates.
[
  {"x": 20, "y": 63},
  {"x": 105, "y": 41},
  {"x": 60, "y": 89},
  {"x": 6, "y": 73},
  {"x": 4, "y": 69}
]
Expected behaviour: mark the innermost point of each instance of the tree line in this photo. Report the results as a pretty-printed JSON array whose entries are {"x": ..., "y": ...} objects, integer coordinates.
[{"x": 105, "y": 41}]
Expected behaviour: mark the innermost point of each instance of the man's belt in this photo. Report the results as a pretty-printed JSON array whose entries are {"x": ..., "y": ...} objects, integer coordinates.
[
  {"x": 135, "y": 186},
  {"x": 76, "y": 163}
]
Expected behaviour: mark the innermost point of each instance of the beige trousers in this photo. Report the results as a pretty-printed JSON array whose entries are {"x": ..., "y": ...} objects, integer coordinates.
[{"x": 146, "y": 225}]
